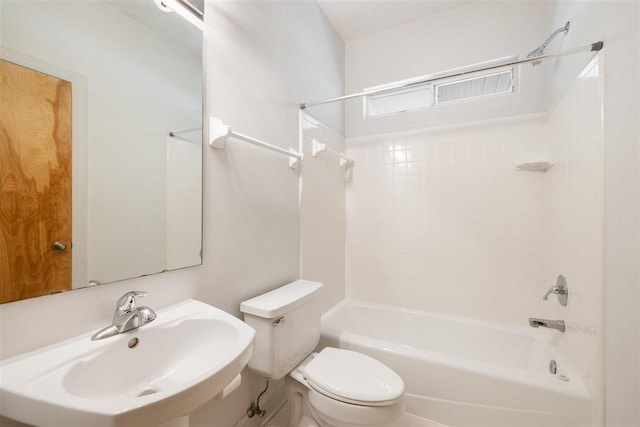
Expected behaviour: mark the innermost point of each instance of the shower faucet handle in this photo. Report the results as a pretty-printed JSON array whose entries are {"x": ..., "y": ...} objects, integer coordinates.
[
  {"x": 561, "y": 289},
  {"x": 553, "y": 290}
]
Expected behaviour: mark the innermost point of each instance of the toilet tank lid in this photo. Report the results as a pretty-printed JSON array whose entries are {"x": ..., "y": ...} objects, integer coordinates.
[{"x": 281, "y": 300}]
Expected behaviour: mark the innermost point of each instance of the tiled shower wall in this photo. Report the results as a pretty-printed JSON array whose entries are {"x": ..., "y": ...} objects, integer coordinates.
[{"x": 440, "y": 220}]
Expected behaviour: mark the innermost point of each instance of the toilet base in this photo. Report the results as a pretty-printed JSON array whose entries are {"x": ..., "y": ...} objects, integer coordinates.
[
  {"x": 307, "y": 422},
  {"x": 309, "y": 408},
  {"x": 281, "y": 419}
]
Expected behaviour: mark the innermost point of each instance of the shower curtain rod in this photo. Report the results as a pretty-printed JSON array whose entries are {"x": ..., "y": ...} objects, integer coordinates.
[
  {"x": 184, "y": 131},
  {"x": 593, "y": 47},
  {"x": 184, "y": 140}
]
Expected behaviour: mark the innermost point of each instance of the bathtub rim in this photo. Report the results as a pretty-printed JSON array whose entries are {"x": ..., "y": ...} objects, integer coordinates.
[{"x": 548, "y": 336}]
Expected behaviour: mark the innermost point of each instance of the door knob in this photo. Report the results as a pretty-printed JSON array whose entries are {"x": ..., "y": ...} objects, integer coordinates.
[{"x": 59, "y": 246}]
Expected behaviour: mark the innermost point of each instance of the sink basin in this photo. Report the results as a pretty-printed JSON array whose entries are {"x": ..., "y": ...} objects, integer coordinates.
[{"x": 145, "y": 377}]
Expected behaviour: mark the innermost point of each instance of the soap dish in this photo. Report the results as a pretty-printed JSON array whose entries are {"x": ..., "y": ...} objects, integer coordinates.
[{"x": 534, "y": 166}]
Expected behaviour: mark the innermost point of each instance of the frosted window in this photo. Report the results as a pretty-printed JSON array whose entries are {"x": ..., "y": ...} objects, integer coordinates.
[
  {"x": 475, "y": 87},
  {"x": 399, "y": 101},
  {"x": 479, "y": 85}
]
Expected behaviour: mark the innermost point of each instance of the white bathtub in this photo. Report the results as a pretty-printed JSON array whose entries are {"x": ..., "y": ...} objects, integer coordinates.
[{"x": 463, "y": 372}]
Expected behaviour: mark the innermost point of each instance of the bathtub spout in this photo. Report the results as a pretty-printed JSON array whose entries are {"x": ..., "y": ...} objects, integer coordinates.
[{"x": 546, "y": 323}]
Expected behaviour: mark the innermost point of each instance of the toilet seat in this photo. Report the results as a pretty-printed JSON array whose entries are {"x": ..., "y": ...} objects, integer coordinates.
[
  {"x": 353, "y": 378},
  {"x": 337, "y": 413}
]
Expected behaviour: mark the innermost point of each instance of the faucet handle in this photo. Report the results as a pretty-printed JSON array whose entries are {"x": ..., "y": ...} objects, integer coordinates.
[
  {"x": 553, "y": 290},
  {"x": 561, "y": 289},
  {"x": 127, "y": 302}
]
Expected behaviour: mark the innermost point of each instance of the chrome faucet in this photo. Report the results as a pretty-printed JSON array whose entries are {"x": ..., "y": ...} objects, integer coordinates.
[
  {"x": 127, "y": 316},
  {"x": 546, "y": 323},
  {"x": 561, "y": 289}
]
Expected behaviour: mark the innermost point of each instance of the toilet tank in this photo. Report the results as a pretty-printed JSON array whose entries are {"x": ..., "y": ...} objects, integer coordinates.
[{"x": 287, "y": 324}]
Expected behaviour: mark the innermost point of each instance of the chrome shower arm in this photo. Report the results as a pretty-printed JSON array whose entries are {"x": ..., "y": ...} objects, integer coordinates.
[
  {"x": 564, "y": 29},
  {"x": 540, "y": 49}
]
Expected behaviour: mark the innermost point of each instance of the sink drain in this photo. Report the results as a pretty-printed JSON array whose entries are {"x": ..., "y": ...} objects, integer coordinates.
[
  {"x": 133, "y": 342},
  {"x": 147, "y": 392}
]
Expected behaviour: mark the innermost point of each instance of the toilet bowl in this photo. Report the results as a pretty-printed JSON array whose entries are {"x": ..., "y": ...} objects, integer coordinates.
[
  {"x": 342, "y": 388},
  {"x": 331, "y": 388}
]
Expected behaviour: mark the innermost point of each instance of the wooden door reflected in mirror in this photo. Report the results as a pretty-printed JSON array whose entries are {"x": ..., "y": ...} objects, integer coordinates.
[{"x": 35, "y": 177}]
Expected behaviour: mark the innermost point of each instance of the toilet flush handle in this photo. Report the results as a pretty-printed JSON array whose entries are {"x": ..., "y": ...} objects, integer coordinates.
[{"x": 279, "y": 321}]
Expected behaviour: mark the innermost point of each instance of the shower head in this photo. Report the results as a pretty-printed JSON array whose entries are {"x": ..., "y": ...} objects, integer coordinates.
[{"x": 540, "y": 49}]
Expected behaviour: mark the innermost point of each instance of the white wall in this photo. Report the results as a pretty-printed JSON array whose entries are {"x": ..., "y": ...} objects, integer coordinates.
[
  {"x": 617, "y": 23},
  {"x": 323, "y": 212},
  {"x": 456, "y": 38},
  {"x": 257, "y": 73},
  {"x": 574, "y": 232}
]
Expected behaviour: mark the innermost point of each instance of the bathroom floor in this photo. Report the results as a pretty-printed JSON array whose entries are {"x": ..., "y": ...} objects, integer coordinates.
[{"x": 281, "y": 419}]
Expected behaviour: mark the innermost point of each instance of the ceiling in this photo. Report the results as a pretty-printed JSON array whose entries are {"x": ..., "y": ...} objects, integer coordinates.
[
  {"x": 358, "y": 18},
  {"x": 169, "y": 25}
]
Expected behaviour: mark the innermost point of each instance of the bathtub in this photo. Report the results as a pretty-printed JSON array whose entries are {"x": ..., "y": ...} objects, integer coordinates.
[{"x": 462, "y": 372}]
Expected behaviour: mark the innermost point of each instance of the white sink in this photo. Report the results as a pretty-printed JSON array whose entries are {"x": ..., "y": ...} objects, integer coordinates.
[{"x": 182, "y": 359}]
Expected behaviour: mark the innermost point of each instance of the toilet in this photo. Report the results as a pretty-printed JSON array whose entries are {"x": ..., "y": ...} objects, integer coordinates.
[{"x": 331, "y": 388}]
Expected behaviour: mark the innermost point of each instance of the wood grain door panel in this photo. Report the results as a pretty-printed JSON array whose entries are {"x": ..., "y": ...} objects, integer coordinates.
[{"x": 35, "y": 183}]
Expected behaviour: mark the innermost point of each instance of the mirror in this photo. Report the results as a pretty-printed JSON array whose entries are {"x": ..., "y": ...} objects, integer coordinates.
[{"x": 100, "y": 144}]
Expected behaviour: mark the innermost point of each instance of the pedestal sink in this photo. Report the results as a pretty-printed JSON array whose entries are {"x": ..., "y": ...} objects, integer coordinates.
[{"x": 145, "y": 377}]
